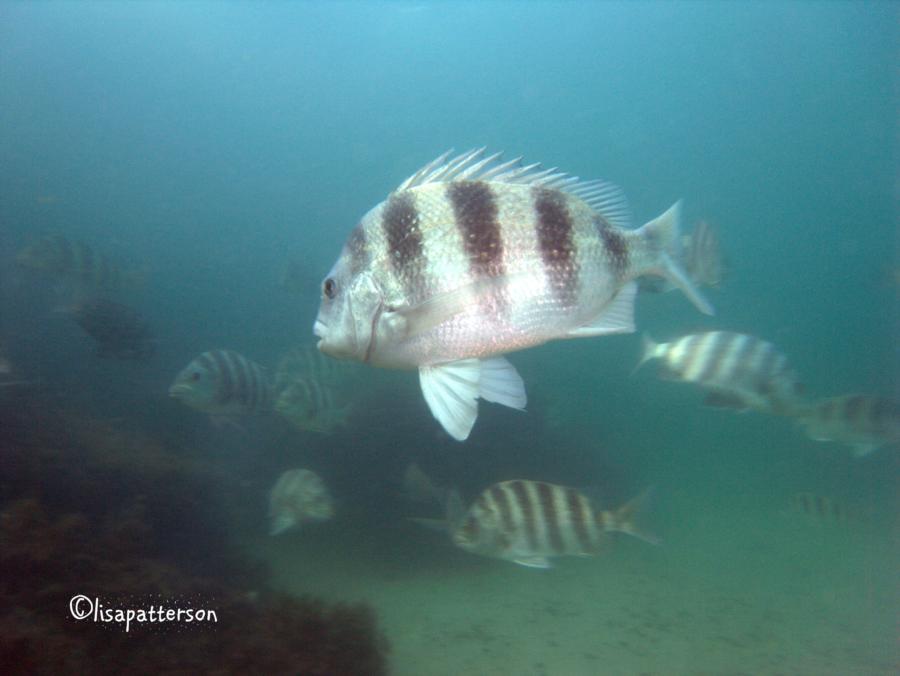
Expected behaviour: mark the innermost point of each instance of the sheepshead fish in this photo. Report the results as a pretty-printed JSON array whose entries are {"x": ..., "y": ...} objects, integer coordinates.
[
  {"x": 223, "y": 383},
  {"x": 59, "y": 257},
  {"x": 469, "y": 259},
  {"x": 528, "y": 522},
  {"x": 741, "y": 371},
  {"x": 864, "y": 422},
  {"x": 299, "y": 496}
]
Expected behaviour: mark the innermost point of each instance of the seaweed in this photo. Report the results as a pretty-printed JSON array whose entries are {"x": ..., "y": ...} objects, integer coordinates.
[{"x": 86, "y": 508}]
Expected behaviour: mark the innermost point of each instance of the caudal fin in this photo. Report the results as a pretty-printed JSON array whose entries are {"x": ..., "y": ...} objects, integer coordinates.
[
  {"x": 623, "y": 519},
  {"x": 664, "y": 234},
  {"x": 648, "y": 352}
]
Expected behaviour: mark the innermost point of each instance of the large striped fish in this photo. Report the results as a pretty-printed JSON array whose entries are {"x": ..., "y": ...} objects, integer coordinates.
[
  {"x": 864, "y": 422},
  {"x": 469, "y": 259},
  {"x": 528, "y": 522},
  {"x": 742, "y": 372},
  {"x": 223, "y": 383}
]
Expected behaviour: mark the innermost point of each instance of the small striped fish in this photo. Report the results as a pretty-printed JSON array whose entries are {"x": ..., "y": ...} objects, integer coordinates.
[
  {"x": 59, "y": 257},
  {"x": 823, "y": 509},
  {"x": 223, "y": 383},
  {"x": 298, "y": 496},
  {"x": 742, "y": 371},
  {"x": 313, "y": 392},
  {"x": 864, "y": 422},
  {"x": 469, "y": 259},
  {"x": 528, "y": 522},
  {"x": 702, "y": 260}
]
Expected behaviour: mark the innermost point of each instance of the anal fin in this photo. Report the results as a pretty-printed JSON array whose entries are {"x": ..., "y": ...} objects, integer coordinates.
[{"x": 533, "y": 562}]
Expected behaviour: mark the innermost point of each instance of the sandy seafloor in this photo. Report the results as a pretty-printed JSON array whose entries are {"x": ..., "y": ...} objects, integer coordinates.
[{"x": 737, "y": 588}]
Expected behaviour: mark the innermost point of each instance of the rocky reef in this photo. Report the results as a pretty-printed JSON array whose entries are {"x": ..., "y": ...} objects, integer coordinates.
[{"x": 86, "y": 508}]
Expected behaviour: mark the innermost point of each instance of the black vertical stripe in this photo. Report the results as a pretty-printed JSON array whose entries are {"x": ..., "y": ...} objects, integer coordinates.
[
  {"x": 475, "y": 210},
  {"x": 225, "y": 391},
  {"x": 241, "y": 370},
  {"x": 523, "y": 499},
  {"x": 357, "y": 246},
  {"x": 579, "y": 519},
  {"x": 502, "y": 502},
  {"x": 556, "y": 244},
  {"x": 854, "y": 407},
  {"x": 689, "y": 352},
  {"x": 614, "y": 244},
  {"x": 551, "y": 516},
  {"x": 744, "y": 357},
  {"x": 713, "y": 357},
  {"x": 400, "y": 221}
]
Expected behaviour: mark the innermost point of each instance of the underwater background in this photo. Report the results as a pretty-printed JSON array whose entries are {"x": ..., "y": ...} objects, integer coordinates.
[{"x": 227, "y": 150}]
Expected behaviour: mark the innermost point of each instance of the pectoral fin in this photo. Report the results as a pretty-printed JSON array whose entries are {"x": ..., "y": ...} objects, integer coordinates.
[
  {"x": 533, "y": 562},
  {"x": 451, "y": 392}
]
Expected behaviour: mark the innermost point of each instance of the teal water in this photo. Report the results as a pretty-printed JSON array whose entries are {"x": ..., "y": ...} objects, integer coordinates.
[{"x": 211, "y": 145}]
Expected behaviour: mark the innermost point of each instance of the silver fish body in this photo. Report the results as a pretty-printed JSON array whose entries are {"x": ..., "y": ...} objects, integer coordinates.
[
  {"x": 468, "y": 260},
  {"x": 224, "y": 383},
  {"x": 299, "y": 496},
  {"x": 741, "y": 371},
  {"x": 528, "y": 522},
  {"x": 863, "y": 422}
]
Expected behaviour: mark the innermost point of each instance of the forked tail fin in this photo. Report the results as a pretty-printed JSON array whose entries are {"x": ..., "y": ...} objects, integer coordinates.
[
  {"x": 664, "y": 235},
  {"x": 623, "y": 518}
]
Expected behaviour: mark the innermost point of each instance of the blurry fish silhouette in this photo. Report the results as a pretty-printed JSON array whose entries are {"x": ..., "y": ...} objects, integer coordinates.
[
  {"x": 469, "y": 259},
  {"x": 418, "y": 486},
  {"x": 742, "y": 372},
  {"x": 313, "y": 392},
  {"x": 702, "y": 259},
  {"x": 863, "y": 422},
  {"x": 529, "y": 522},
  {"x": 824, "y": 510},
  {"x": 58, "y": 257},
  {"x": 299, "y": 496},
  {"x": 223, "y": 383},
  {"x": 119, "y": 330}
]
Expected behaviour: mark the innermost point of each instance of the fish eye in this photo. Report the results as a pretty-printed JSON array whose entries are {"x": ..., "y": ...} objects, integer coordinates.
[
  {"x": 195, "y": 376},
  {"x": 329, "y": 288}
]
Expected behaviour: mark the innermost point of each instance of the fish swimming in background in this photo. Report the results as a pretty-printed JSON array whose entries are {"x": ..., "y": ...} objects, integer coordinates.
[
  {"x": 469, "y": 259},
  {"x": 822, "y": 509},
  {"x": 528, "y": 522},
  {"x": 61, "y": 258},
  {"x": 223, "y": 383},
  {"x": 702, "y": 259},
  {"x": 299, "y": 496},
  {"x": 120, "y": 331},
  {"x": 865, "y": 423},
  {"x": 313, "y": 392},
  {"x": 418, "y": 486},
  {"x": 741, "y": 371}
]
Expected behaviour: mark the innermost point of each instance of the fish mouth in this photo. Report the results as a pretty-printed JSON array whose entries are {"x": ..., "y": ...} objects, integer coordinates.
[
  {"x": 319, "y": 328},
  {"x": 178, "y": 391}
]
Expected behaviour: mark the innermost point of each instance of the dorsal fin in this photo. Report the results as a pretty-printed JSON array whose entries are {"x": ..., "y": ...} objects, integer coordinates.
[{"x": 605, "y": 198}]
